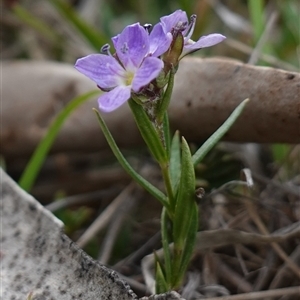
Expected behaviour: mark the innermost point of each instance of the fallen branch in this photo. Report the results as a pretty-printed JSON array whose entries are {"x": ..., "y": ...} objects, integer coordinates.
[{"x": 206, "y": 92}]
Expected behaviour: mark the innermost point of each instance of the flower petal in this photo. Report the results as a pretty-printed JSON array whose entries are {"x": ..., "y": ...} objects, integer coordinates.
[
  {"x": 203, "y": 42},
  {"x": 170, "y": 21},
  {"x": 160, "y": 41},
  {"x": 207, "y": 41},
  {"x": 115, "y": 40},
  {"x": 114, "y": 99},
  {"x": 132, "y": 45},
  {"x": 103, "y": 69},
  {"x": 148, "y": 71}
]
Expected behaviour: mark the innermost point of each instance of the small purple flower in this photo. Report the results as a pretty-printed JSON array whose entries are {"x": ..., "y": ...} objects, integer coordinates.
[
  {"x": 133, "y": 69},
  {"x": 179, "y": 19},
  {"x": 159, "y": 40}
]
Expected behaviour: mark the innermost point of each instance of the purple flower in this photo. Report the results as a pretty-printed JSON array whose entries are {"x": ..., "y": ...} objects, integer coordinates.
[
  {"x": 178, "y": 20},
  {"x": 159, "y": 40},
  {"x": 133, "y": 69}
]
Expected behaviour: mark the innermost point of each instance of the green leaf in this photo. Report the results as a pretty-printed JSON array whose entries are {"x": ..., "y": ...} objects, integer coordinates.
[
  {"x": 35, "y": 163},
  {"x": 155, "y": 192},
  {"x": 148, "y": 132},
  {"x": 217, "y": 135},
  {"x": 161, "y": 285},
  {"x": 165, "y": 237},
  {"x": 175, "y": 164},
  {"x": 186, "y": 195},
  {"x": 190, "y": 240}
]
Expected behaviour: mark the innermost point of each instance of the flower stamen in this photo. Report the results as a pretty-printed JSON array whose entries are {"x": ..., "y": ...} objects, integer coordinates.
[
  {"x": 148, "y": 27},
  {"x": 105, "y": 49},
  {"x": 180, "y": 26},
  {"x": 124, "y": 49},
  {"x": 191, "y": 27}
]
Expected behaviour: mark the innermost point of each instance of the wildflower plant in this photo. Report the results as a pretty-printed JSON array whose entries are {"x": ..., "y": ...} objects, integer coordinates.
[{"x": 141, "y": 72}]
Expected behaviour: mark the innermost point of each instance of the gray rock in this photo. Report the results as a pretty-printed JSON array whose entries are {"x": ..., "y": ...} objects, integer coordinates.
[{"x": 40, "y": 261}]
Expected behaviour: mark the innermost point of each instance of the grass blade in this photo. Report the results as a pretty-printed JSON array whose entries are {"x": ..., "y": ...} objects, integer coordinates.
[{"x": 35, "y": 163}]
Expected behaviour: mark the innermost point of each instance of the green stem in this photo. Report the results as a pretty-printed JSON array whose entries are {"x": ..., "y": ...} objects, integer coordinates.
[
  {"x": 164, "y": 132},
  {"x": 164, "y": 104}
]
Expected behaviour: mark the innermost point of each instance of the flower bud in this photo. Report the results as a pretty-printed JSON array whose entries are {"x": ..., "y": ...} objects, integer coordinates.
[{"x": 171, "y": 57}]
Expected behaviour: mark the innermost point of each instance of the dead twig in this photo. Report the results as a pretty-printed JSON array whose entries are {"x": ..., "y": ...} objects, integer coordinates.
[
  {"x": 104, "y": 218},
  {"x": 261, "y": 226},
  {"x": 229, "y": 275},
  {"x": 283, "y": 271},
  {"x": 115, "y": 226}
]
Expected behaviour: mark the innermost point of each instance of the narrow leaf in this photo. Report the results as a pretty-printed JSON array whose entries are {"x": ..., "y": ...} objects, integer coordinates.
[
  {"x": 148, "y": 132},
  {"x": 186, "y": 195},
  {"x": 35, "y": 163},
  {"x": 155, "y": 192},
  {"x": 217, "y": 135},
  {"x": 161, "y": 285},
  {"x": 190, "y": 240},
  {"x": 165, "y": 237},
  {"x": 175, "y": 163}
]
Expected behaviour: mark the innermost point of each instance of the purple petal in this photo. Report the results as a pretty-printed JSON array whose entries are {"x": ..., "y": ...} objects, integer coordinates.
[
  {"x": 159, "y": 40},
  {"x": 148, "y": 71},
  {"x": 115, "y": 40},
  {"x": 103, "y": 69},
  {"x": 206, "y": 41},
  {"x": 170, "y": 21},
  {"x": 132, "y": 46},
  {"x": 203, "y": 42},
  {"x": 114, "y": 99}
]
